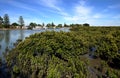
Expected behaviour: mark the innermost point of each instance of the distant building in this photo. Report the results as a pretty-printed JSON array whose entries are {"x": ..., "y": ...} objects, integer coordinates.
[
  {"x": 25, "y": 27},
  {"x": 44, "y": 27},
  {"x": 37, "y": 27},
  {"x": 18, "y": 27}
]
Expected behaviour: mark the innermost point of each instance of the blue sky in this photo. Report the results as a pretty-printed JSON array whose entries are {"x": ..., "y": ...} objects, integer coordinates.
[{"x": 94, "y": 12}]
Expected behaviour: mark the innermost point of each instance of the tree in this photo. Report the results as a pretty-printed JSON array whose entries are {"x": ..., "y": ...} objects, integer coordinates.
[
  {"x": 1, "y": 21},
  {"x": 43, "y": 24},
  {"x": 65, "y": 25},
  {"x": 14, "y": 24},
  {"x": 48, "y": 25},
  {"x": 86, "y": 24},
  {"x": 59, "y": 26},
  {"x": 52, "y": 24},
  {"x": 32, "y": 24},
  {"x": 6, "y": 21},
  {"x": 39, "y": 25},
  {"x": 21, "y": 21}
]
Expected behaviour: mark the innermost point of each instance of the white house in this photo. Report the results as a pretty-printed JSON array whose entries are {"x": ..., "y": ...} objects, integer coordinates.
[
  {"x": 24, "y": 27},
  {"x": 17, "y": 27},
  {"x": 44, "y": 27},
  {"x": 37, "y": 28}
]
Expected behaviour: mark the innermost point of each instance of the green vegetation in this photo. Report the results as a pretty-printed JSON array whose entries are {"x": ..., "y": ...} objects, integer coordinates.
[
  {"x": 15, "y": 24},
  {"x": 50, "y": 25},
  {"x": 86, "y": 24},
  {"x": 5, "y": 22},
  {"x": 49, "y": 54},
  {"x": 33, "y": 24},
  {"x": 64, "y": 54},
  {"x": 105, "y": 39},
  {"x": 59, "y": 26}
]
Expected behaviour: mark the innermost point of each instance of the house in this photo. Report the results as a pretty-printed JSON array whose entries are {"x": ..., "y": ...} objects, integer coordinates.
[
  {"x": 25, "y": 27},
  {"x": 18, "y": 27},
  {"x": 37, "y": 27}
]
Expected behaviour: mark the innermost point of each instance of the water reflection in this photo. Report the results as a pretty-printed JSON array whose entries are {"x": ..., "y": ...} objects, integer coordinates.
[
  {"x": 7, "y": 37},
  {"x": 21, "y": 34},
  {"x": 1, "y": 38},
  {"x": 1, "y": 35}
]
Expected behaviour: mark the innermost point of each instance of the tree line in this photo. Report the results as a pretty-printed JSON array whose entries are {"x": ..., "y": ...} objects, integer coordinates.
[
  {"x": 5, "y": 22},
  {"x": 52, "y": 25}
]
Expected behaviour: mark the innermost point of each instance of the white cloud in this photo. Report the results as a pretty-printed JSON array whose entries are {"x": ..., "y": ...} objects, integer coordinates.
[
  {"x": 82, "y": 9},
  {"x": 71, "y": 18},
  {"x": 81, "y": 12},
  {"x": 84, "y": 13},
  {"x": 98, "y": 16},
  {"x": 50, "y": 3},
  {"x": 26, "y": 7},
  {"x": 53, "y": 4},
  {"x": 21, "y": 5}
]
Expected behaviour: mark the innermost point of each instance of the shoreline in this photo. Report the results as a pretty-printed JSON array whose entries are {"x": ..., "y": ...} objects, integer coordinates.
[
  {"x": 24, "y": 28},
  {"x": 12, "y": 29}
]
